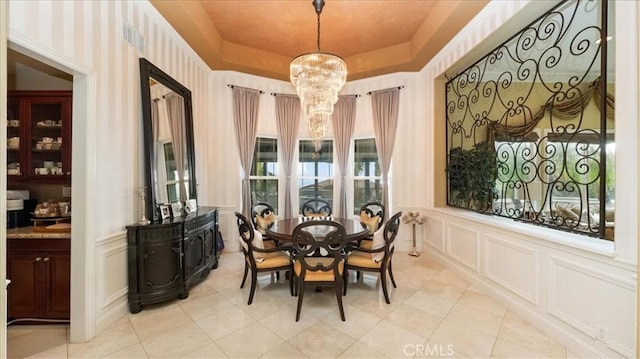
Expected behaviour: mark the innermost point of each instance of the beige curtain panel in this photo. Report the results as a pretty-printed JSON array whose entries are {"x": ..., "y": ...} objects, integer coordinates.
[
  {"x": 344, "y": 120},
  {"x": 246, "y": 103},
  {"x": 288, "y": 118},
  {"x": 175, "y": 110},
  {"x": 385, "y": 122}
]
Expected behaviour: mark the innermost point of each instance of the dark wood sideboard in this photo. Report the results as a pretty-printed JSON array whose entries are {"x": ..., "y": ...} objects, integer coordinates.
[{"x": 167, "y": 258}]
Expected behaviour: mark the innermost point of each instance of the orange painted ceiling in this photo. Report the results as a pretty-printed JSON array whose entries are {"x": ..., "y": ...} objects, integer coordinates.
[{"x": 374, "y": 37}]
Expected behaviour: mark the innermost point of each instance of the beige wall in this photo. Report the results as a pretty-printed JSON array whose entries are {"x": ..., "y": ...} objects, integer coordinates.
[
  {"x": 571, "y": 287},
  {"x": 85, "y": 38}
]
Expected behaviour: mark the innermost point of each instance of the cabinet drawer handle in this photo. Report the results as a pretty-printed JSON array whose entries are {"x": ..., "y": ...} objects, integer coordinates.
[
  {"x": 46, "y": 259},
  {"x": 38, "y": 259}
]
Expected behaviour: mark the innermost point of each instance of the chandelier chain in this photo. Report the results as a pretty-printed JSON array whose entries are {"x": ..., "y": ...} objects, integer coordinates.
[{"x": 318, "y": 44}]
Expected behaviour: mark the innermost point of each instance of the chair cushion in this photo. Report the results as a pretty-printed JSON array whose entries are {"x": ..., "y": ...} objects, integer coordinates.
[
  {"x": 318, "y": 276},
  {"x": 365, "y": 243},
  {"x": 378, "y": 242},
  {"x": 362, "y": 259},
  {"x": 309, "y": 213},
  {"x": 274, "y": 260},
  {"x": 370, "y": 222},
  {"x": 262, "y": 223},
  {"x": 257, "y": 243}
]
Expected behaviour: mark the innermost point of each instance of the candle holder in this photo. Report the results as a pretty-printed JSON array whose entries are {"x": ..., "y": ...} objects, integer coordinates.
[
  {"x": 143, "y": 196},
  {"x": 413, "y": 218}
]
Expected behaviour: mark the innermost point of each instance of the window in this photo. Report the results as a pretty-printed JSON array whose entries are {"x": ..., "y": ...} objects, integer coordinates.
[
  {"x": 264, "y": 172},
  {"x": 315, "y": 171},
  {"x": 367, "y": 181},
  {"x": 170, "y": 175}
]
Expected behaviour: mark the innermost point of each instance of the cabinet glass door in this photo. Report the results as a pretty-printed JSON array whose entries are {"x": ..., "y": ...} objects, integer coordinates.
[
  {"x": 13, "y": 139},
  {"x": 46, "y": 139}
]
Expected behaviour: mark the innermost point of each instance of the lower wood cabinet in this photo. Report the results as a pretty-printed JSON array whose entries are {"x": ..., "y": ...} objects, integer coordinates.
[
  {"x": 40, "y": 273},
  {"x": 166, "y": 258}
]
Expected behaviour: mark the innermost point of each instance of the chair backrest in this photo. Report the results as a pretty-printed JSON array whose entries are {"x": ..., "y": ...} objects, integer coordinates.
[
  {"x": 316, "y": 207},
  {"x": 265, "y": 211},
  {"x": 372, "y": 209},
  {"x": 247, "y": 234},
  {"x": 307, "y": 244},
  {"x": 389, "y": 233},
  {"x": 262, "y": 209}
]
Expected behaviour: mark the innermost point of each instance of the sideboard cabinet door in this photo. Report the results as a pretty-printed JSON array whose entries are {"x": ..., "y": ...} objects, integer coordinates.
[
  {"x": 155, "y": 262},
  {"x": 168, "y": 257}
]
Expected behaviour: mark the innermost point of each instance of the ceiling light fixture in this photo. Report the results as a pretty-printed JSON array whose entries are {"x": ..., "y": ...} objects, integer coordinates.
[{"x": 318, "y": 78}]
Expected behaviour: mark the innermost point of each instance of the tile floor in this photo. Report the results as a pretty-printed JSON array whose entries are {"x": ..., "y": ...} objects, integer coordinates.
[{"x": 433, "y": 313}]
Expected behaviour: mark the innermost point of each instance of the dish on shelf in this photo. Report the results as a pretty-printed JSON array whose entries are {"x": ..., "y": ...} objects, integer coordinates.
[
  {"x": 13, "y": 143},
  {"x": 48, "y": 123},
  {"x": 47, "y": 146}
]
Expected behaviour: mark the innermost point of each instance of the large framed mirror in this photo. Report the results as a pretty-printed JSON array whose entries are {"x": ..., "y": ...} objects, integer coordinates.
[{"x": 169, "y": 154}]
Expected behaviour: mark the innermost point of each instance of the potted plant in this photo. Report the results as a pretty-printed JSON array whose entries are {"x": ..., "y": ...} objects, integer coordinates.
[{"x": 472, "y": 175}]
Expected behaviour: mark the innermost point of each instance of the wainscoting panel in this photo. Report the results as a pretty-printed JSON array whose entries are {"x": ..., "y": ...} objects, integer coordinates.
[
  {"x": 111, "y": 281},
  {"x": 463, "y": 246},
  {"x": 228, "y": 228},
  {"x": 585, "y": 300},
  {"x": 592, "y": 301},
  {"x": 513, "y": 266},
  {"x": 434, "y": 234}
]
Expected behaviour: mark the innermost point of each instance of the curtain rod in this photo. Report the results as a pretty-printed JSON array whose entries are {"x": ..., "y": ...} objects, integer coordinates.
[
  {"x": 399, "y": 88},
  {"x": 286, "y": 94},
  {"x": 240, "y": 87}
]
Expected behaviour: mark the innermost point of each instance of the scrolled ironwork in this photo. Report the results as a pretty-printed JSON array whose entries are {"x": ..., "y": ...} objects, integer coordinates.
[{"x": 531, "y": 100}]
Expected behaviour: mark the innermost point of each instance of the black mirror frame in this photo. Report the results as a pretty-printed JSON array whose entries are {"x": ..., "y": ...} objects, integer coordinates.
[{"x": 148, "y": 71}]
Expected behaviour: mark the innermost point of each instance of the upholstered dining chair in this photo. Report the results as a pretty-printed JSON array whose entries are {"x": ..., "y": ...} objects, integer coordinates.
[
  {"x": 316, "y": 208},
  {"x": 372, "y": 215},
  {"x": 318, "y": 259},
  {"x": 378, "y": 257},
  {"x": 259, "y": 259},
  {"x": 262, "y": 216}
]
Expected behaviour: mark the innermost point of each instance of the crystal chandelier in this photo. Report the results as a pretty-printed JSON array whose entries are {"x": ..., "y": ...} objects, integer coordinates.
[{"x": 318, "y": 77}]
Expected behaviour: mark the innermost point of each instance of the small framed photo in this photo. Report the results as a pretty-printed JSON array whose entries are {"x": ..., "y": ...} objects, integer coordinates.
[
  {"x": 191, "y": 205},
  {"x": 176, "y": 208},
  {"x": 164, "y": 211}
]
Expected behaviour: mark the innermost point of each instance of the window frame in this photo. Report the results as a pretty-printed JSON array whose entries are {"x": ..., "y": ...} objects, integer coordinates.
[
  {"x": 276, "y": 177},
  {"x": 352, "y": 178}
]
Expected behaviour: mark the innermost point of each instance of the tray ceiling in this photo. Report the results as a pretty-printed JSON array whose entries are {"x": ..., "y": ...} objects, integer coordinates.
[{"x": 374, "y": 37}]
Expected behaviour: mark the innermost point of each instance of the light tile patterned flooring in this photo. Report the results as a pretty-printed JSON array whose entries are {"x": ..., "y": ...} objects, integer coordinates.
[{"x": 433, "y": 313}]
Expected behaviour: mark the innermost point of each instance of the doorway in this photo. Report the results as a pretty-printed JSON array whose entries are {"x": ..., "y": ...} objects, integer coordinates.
[{"x": 82, "y": 249}]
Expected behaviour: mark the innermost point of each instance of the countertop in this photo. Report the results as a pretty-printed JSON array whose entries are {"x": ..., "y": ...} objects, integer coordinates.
[{"x": 28, "y": 233}]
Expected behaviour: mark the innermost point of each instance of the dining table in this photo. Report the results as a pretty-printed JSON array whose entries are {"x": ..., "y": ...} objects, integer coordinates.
[{"x": 281, "y": 230}]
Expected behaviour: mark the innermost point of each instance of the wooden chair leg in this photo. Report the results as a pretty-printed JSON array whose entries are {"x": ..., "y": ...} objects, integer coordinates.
[
  {"x": 291, "y": 285},
  {"x": 345, "y": 280},
  {"x": 254, "y": 281},
  {"x": 300, "y": 296},
  {"x": 244, "y": 277},
  {"x": 383, "y": 279},
  {"x": 338, "y": 288},
  {"x": 393, "y": 281}
]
